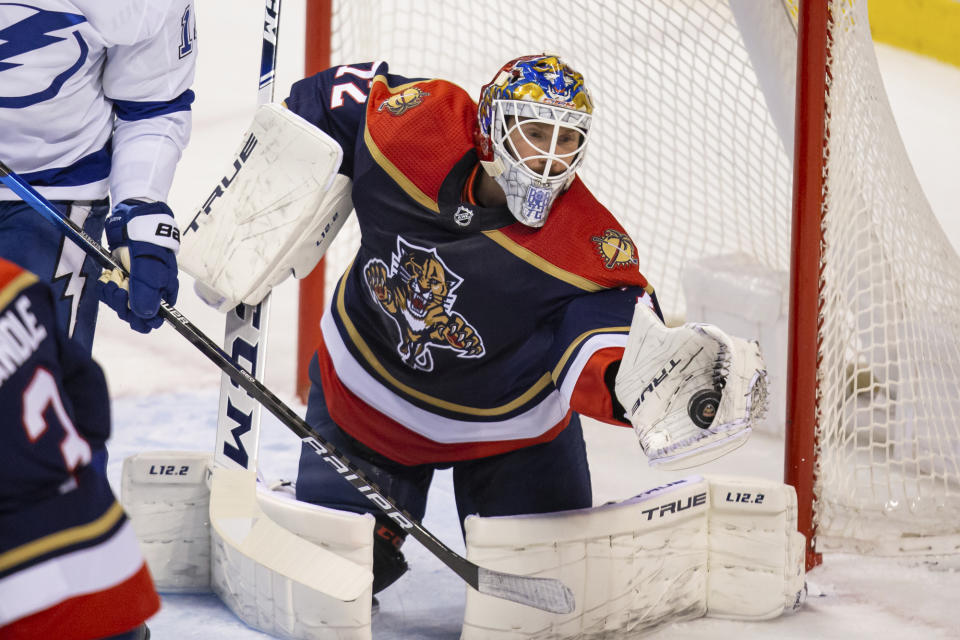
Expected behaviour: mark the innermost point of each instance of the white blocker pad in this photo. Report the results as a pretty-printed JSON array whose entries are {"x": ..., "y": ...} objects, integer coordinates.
[
  {"x": 166, "y": 496},
  {"x": 273, "y": 214},
  {"x": 279, "y": 582},
  {"x": 673, "y": 553}
]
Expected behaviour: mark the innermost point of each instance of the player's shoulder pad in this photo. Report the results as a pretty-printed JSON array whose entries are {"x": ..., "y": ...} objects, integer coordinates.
[
  {"x": 417, "y": 130},
  {"x": 583, "y": 239}
]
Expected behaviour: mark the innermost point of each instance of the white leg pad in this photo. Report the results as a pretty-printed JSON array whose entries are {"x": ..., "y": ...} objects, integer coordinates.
[
  {"x": 166, "y": 496},
  {"x": 631, "y": 565},
  {"x": 756, "y": 567},
  {"x": 279, "y": 582},
  {"x": 673, "y": 553}
]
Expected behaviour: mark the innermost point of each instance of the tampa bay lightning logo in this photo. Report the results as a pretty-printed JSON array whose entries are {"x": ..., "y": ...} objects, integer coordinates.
[{"x": 25, "y": 30}]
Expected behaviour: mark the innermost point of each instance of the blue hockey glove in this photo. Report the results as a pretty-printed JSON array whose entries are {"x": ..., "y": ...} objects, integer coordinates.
[
  {"x": 144, "y": 237},
  {"x": 115, "y": 292}
]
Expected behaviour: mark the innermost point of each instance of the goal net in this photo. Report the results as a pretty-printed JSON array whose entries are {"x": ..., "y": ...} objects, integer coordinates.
[{"x": 692, "y": 149}]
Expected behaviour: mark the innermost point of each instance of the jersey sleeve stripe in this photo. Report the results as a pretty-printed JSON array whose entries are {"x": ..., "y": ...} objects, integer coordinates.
[
  {"x": 135, "y": 110},
  {"x": 564, "y": 359},
  {"x": 65, "y": 538},
  {"x": 595, "y": 342}
]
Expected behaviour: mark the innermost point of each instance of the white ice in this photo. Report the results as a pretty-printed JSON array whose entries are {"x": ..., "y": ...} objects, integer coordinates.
[{"x": 165, "y": 393}]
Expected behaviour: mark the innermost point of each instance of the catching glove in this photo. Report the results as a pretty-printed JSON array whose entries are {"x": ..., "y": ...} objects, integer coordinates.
[{"x": 691, "y": 393}]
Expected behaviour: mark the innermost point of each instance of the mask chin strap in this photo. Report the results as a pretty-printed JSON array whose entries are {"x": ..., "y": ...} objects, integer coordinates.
[{"x": 493, "y": 167}]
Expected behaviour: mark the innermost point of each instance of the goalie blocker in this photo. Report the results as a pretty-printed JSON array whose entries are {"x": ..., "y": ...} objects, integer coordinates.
[
  {"x": 691, "y": 393},
  {"x": 274, "y": 213}
]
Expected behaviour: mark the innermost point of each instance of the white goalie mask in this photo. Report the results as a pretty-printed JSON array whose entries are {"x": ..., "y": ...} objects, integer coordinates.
[{"x": 534, "y": 125}]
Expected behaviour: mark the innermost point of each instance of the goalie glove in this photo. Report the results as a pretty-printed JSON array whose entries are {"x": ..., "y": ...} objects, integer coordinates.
[{"x": 692, "y": 393}]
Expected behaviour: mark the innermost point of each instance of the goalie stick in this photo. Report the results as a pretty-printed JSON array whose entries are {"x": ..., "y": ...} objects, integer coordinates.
[
  {"x": 547, "y": 594},
  {"x": 245, "y": 326}
]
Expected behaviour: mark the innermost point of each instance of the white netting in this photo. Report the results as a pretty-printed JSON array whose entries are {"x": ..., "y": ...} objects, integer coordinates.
[
  {"x": 687, "y": 153},
  {"x": 889, "y": 437}
]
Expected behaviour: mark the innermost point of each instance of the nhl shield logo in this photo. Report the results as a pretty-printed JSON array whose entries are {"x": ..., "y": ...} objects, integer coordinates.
[{"x": 463, "y": 216}]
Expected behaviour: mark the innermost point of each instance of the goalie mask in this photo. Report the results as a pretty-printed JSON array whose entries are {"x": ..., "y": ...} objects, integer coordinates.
[{"x": 534, "y": 121}]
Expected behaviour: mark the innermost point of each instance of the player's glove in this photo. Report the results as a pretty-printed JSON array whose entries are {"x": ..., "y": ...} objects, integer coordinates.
[
  {"x": 144, "y": 238},
  {"x": 692, "y": 393}
]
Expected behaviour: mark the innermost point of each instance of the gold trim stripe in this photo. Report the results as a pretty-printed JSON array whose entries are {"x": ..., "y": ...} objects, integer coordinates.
[
  {"x": 65, "y": 538},
  {"x": 367, "y": 353},
  {"x": 544, "y": 265},
  {"x": 402, "y": 180},
  {"x": 580, "y": 340},
  {"x": 15, "y": 286}
]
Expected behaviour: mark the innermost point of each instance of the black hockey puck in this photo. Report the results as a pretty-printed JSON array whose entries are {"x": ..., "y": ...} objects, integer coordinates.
[{"x": 702, "y": 407}]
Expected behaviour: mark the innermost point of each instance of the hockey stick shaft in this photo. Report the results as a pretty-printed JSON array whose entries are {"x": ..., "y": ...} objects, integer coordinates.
[
  {"x": 543, "y": 593},
  {"x": 237, "y": 441},
  {"x": 268, "y": 54}
]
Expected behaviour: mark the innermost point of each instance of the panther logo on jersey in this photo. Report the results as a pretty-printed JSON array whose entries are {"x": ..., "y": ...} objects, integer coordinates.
[
  {"x": 616, "y": 248},
  {"x": 399, "y": 103},
  {"x": 416, "y": 290}
]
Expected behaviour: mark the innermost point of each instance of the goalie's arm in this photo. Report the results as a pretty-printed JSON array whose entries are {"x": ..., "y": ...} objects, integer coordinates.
[
  {"x": 692, "y": 393},
  {"x": 589, "y": 341}
]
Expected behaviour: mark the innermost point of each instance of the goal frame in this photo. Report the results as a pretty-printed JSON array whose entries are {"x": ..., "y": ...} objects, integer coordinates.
[{"x": 809, "y": 196}]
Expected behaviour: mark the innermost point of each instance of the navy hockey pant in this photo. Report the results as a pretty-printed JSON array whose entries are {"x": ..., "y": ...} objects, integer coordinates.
[
  {"x": 30, "y": 241},
  {"x": 547, "y": 477}
]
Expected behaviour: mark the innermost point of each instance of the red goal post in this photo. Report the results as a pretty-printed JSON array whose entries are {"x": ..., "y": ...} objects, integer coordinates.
[
  {"x": 311, "y": 295},
  {"x": 696, "y": 149},
  {"x": 808, "y": 187}
]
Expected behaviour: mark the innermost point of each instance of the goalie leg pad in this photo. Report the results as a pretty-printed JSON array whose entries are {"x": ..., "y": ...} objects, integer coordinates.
[
  {"x": 165, "y": 493},
  {"x": 278, "y": 581},
  {"x": 691, "y": 548},
  {"x": 756, "y": 569}
]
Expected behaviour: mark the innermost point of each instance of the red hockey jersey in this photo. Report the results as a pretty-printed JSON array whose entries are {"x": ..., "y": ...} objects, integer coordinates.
[{"x": 70, "y": 564}]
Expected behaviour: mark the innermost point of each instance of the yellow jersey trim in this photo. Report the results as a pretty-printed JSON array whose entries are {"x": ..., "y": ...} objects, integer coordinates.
[
  {"x": 61, "y": 539},
  {"x": 15, "y": 286},
  {"x": 367, "y": 353},
  {"x": 395, "y": 174}
]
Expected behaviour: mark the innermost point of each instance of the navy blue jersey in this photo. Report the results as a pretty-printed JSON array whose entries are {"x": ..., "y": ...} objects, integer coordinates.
[
  {"x": 29, "y": 240},
  {"x": 457, "y": 332},
  {"x": 69, "y": 560}
]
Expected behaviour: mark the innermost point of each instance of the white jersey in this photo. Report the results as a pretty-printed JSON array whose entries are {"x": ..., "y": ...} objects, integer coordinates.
[{"x": 95, "y": 95}]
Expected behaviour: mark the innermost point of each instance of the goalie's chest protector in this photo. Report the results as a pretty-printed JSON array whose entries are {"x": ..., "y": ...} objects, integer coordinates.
[{"x": 447, "y": 320}]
